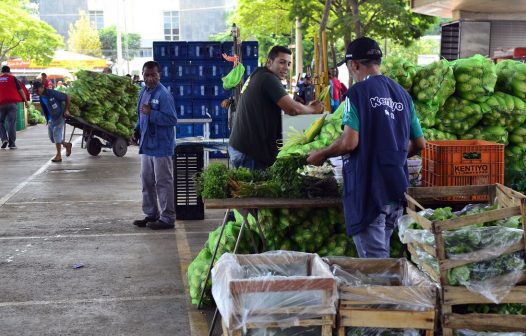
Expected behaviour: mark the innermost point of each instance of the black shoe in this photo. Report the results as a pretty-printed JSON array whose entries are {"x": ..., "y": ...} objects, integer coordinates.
[
  {"x": 12, "y": 146},
  {"x": 143, "y": 222},
  {"x": 160, "y": 225},
  {"x": 4, "y": 144}
]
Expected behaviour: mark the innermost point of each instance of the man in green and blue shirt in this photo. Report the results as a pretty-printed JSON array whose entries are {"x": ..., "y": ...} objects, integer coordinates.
[{"x": 381, "y": 131}]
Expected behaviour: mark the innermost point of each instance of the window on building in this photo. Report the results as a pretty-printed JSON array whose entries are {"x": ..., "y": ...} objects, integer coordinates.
[
  {"x": 146, "y": 52},
  {"x": 97, "y": 18},
  {"x": 171, "y": 26}
]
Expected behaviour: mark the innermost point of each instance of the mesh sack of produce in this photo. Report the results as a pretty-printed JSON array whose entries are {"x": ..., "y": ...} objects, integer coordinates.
[
  {"x": 300, "y": 286},
  {"x": 475, "y": 77},
  {"x": 515, "y": 157},
  {"x": 426, "y": 114},
  {"x": 489, "y": 133},
  {"x": 197, "y": 274},
  {"x": 458, "y": 115},
  {"x": 504, "y": 110},
  {"x": 434, "y": 83},
  {"x": 400, "y": 70},
  {"x": 434, "y": 134},
  {"x": 512, "y": 77}
]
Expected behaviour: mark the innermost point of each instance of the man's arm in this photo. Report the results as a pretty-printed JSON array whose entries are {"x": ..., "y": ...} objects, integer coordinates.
[
  {"x": 21, "y": 92},
  {"x": 416, "y": 146},
  {"x": 66, "y": 107},
  {"x": 346, "y": 143},
  {"x": 293, "y": 108}
]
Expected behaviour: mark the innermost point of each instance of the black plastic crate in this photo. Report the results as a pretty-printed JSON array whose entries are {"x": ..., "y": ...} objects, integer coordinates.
[{"x": 188, "y": 162}]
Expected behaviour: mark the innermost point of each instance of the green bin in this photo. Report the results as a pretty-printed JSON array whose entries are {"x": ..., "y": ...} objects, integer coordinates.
[{"x": 20, "y": 122}]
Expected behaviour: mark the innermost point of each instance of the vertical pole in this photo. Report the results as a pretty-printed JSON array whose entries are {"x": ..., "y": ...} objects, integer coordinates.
[
  {"x": 325, "y": 69},
  {"x": 119, "y": 41},
  {"x": 299, "y": 49},
  {"x": 316, "y": 78}
]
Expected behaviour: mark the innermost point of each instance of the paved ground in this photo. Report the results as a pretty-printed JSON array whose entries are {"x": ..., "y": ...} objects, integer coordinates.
[{"x": 53, "y": 216}]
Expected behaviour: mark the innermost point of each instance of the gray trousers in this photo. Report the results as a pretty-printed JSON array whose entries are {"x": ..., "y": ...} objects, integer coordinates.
[
  {"x": 8, "y": 111},
  {"x": 158, "y": 185},
  {"x": 374, "y": 241}
]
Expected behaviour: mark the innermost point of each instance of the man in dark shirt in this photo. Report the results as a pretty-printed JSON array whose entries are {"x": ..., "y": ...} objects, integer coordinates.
[
  {"x": 305, "y": 91},
  {"x": 257, "y": 124}
]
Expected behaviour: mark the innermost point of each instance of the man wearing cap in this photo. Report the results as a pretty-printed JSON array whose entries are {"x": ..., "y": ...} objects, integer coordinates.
[
  {"x": 305, "y": 91},
  {"x": 257, "y": 123},
  {"x": 51, "y": 102},
  {"x": 381, "y": 130},
  {"x": 11, "y": 93}
]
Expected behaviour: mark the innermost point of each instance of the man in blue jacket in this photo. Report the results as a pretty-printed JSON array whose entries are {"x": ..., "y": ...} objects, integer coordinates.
[
  {"x": 381, "y": 130},
  {"x": 155, "y": 131}
]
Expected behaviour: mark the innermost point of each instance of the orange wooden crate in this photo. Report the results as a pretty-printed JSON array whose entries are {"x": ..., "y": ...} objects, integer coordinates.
[{"x": 462, "y": 162}]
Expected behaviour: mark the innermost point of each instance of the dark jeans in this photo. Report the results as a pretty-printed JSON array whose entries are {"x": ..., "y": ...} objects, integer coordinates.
[
  {"x": 238, "y": 159},
  {"x": 8, "y": 111}
]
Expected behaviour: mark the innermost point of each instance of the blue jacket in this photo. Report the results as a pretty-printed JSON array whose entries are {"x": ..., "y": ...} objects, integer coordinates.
[
  {"x": 375, "y": 173},
  {"x": 157, "y": 129},
  {"x": 54, "y": 109}
]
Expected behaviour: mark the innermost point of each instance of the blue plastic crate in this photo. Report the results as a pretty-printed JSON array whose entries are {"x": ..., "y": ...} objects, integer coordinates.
[
  {"x": 167, "y": 71},
  {"x": 161, "y": 51},
  {"x": 217, "y": 155},
  {"x": 216, "y": 111},
  {"x": 184, "y": 131},
  {"x": 181, "y": 70},
  {"x": 179, "y": 50},
  {"x": 200, "y": 108},
  {"x": 227, "y": 48},
  {"x": 207, "y": 70},
  {"x": 204, "y": 50},
  {"x": 199, "y": 130},
  {"x": 168, "y": 85},
  {"x": 249, "y": 50},
  {"x": 209, "y": 90},
  {"x": 219, "y": 129},
  {"x": 183, "y": 108},
  {"x": 182, "y": 90},
  {"x": 250, "y": 66}
]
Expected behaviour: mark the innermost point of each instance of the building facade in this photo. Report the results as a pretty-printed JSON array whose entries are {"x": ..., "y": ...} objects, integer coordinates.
[{"x": 153, "y": 20}]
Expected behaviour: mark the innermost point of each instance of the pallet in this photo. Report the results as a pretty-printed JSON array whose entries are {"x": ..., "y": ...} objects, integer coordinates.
[
  {"x": 353, "y": 310},
  {"x": 511, "y": 203},
  {"x": 317, "y": 280}
]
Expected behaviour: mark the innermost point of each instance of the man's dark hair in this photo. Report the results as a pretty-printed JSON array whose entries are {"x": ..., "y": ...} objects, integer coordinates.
[
  {"x": 369, "y": 62},
  {"x": 37, "y": 84},
  {"x": 273, "y": 53},
  {"x": 6, "y": 69},
  {"x": 43, "y": 74},
  {"x": 151, "y": 65}
]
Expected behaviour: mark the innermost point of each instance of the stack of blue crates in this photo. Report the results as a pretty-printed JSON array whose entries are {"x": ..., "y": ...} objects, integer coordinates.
[{"x": 192, "y": 71}]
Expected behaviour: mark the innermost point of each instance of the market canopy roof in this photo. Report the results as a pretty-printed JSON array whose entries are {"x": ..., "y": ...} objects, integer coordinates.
[
  {"x": 62, "y": 59},
  {"x": 488, "y": 9}
]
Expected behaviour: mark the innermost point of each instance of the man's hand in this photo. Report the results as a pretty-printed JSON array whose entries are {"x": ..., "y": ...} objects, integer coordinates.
[
  {"x": 135, "y": 137},
  {"x": 66, "y": 113},
  {"x": 26, "y": 103},
  {"x": 146, "y": 109},
  {"x": 316, "y": 158},
  {"x": 318, "y": 106}
]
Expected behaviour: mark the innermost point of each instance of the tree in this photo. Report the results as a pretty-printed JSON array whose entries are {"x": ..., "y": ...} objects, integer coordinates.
[
  {"x": 108, "y": 40},
  {"x": 83, "y": 37},
  {"x": 26, "y": 37},
  {"x": 349, "y": 19}
]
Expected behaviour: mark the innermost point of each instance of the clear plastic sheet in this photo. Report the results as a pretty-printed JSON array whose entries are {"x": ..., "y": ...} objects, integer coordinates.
[
  {"x": 278, "y": 287},
  {"x": 390, "y": 283},
  {"x": 380, "y": 332},
  {"x": 464, "y": 332}
]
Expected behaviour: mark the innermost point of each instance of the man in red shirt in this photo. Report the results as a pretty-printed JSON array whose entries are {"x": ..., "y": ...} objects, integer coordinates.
[
  {"x": 11, "y": 93},
  {"x": 47, "y": 83}
]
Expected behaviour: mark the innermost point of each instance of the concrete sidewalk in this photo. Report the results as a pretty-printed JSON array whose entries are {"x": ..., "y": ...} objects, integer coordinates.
[{"x": 53, "y": 216}]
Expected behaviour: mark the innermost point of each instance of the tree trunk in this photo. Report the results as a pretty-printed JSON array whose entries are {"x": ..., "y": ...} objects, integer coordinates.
[
  {"x": 355, "y": 9},
  {"x": 333, "y": 52}
]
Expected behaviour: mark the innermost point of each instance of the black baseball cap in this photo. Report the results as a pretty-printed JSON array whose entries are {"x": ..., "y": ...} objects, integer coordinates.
[{"x": 363, "y": 48}]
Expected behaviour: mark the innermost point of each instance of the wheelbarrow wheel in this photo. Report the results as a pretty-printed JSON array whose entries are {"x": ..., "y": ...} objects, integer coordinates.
[
  {"x": 94, "y": 146},
  {"x": 120, "y": 147}
]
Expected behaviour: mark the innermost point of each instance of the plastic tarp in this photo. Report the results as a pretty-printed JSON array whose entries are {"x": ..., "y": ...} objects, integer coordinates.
[{"x": 278, "y": 287}]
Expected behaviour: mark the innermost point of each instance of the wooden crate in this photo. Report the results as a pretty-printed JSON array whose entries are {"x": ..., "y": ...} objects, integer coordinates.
[
  {"x": 353, "y": 310},
  {"x": 511, "y": 203},
  {"x": 317, "y": 280}
]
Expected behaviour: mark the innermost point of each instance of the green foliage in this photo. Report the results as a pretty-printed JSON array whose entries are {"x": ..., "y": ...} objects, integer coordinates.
[
  {"x": 83, "y": 37},
  {"x": 26, "y": 37},
  {"x": 108, "y": 40}
]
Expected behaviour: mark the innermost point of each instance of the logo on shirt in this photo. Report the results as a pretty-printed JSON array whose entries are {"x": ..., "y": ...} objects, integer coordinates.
[
  {"x": 155, "y": 101},
  {"x": 395, "y": 106}
]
